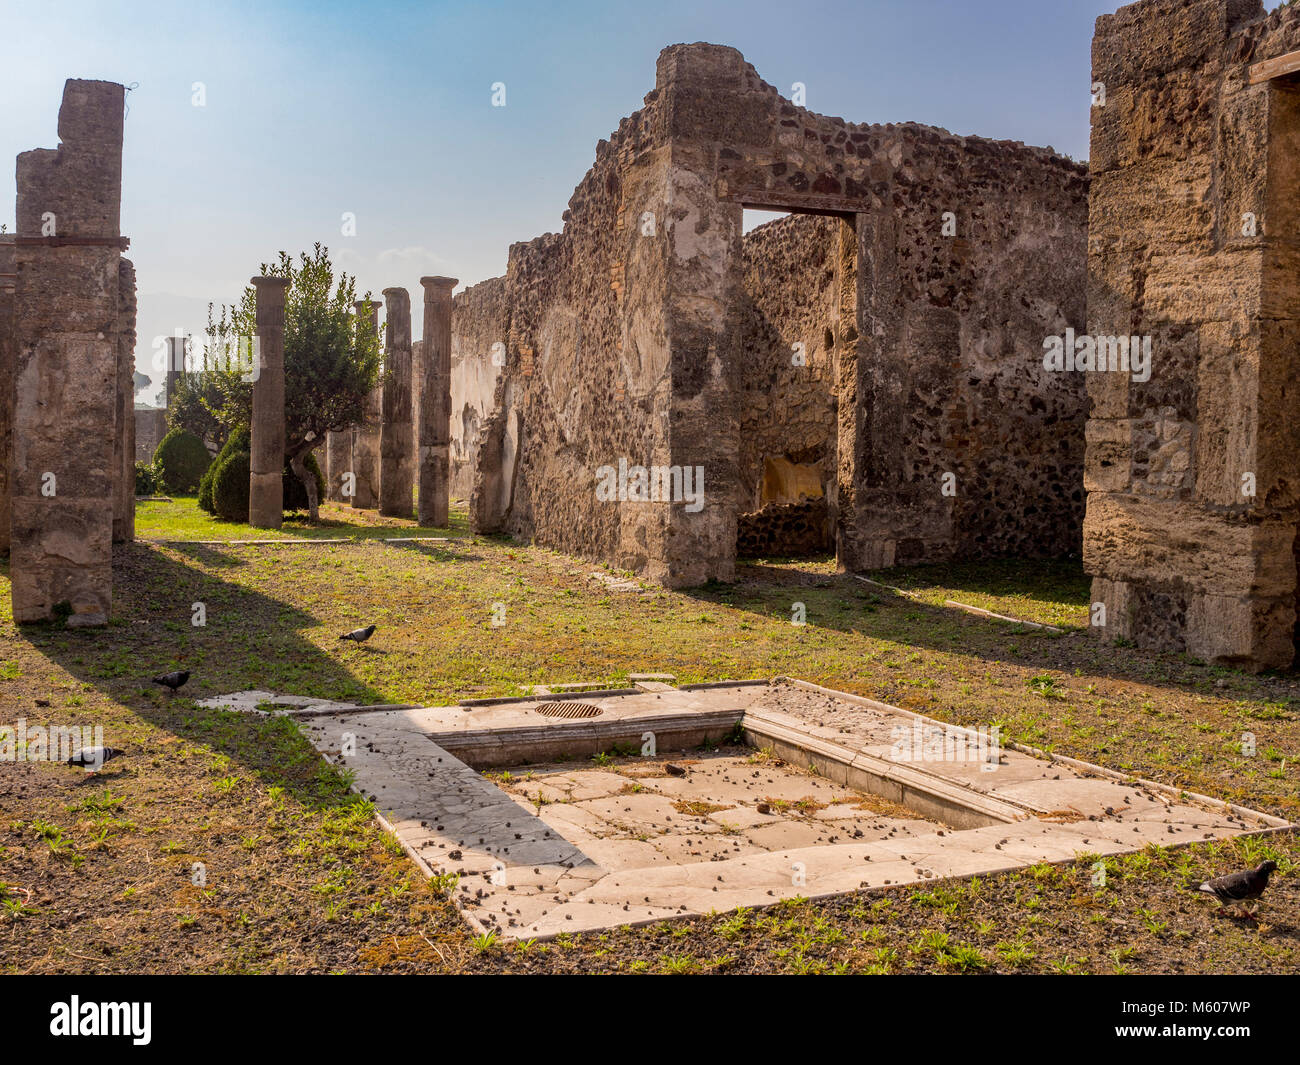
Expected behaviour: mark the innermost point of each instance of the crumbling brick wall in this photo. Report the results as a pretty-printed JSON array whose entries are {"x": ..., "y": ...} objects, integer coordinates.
[
  {"x": 1193, "y": 475},
  {"x": 626, "y": 334}
]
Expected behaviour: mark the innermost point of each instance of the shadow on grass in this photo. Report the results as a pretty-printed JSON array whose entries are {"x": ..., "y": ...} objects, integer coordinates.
[
  {"x": 435, "y": 553},
  {"x": 249, "y": 641},
  {"x": 839, "y": 602},
  {"x": 181, "y": 520}
]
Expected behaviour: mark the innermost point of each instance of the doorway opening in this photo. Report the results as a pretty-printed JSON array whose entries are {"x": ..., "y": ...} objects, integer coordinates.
[{"x": 790, "y": 307}]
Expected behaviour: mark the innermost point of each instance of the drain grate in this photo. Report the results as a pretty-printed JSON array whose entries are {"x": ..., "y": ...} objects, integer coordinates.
[{"x": 568, "y": 708}]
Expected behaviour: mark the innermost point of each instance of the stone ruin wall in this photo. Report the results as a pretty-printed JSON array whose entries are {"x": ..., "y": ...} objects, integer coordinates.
[
  {"x": 787, "y": 412},
  {"x": 1185, "y": 150},
  {"x": 657, "y": 348},
  {"x": 72, "y": 314},
  {"x": 8, "y": 354},
  {"x": 951, "y": 378},
  {"x": 150, "y": 428},
  {"x": 479, "y": 322},
  {"x": 586, "y": 378},
  {"x": 124, "y": 412}
]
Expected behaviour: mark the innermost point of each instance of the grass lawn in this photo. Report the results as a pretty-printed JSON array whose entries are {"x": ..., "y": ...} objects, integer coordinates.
[{"x": 223, "y": 843}]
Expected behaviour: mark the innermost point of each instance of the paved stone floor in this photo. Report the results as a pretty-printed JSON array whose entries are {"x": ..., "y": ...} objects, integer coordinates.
[
  {"x": 635, "y": 813},
  {"x": 538, "y": 830}
]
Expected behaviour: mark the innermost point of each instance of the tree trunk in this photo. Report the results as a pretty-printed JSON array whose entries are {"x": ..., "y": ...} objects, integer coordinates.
[{"x": 308, "y": 480}]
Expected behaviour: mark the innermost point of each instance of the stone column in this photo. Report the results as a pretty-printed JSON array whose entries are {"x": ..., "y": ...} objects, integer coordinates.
[
  {"x": 68, "y": 244},
  {"x": 124, "y": 438},
  {"x": 365, "y": 437},
  {"x": 435, "y": 402},
  {"x": 417, "y": 383},
  {"x": 7, "y": 280},
  {"x": 266, "y": 443},
  {"x": 396, "y": 430},
  {"x": 338, "y": 461},
  {"x": 175, "y": 368}
]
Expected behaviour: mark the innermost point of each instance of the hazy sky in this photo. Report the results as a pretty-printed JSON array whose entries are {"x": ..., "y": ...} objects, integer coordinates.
[{"x": 385, "y": 110}]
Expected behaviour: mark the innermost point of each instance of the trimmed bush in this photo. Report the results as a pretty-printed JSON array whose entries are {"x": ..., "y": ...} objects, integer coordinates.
[
  {"x": 224, "y": 491},
  {"x": 230, "y": 487},
  {"x": 180, "y": 462},
  {"x": 235, "y": 443},
  {"x": 205, "y": 488},
  {"x": 144, "y": 485}
]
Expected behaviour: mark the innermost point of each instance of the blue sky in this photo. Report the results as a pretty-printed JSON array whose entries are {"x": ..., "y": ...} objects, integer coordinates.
[{"x": 385, "y": 110}]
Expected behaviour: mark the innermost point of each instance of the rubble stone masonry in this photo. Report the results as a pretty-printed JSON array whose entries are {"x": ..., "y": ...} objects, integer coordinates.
[{"x": 646, "y": 332}]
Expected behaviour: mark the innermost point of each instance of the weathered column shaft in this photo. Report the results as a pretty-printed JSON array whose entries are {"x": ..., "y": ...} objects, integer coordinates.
[
  {"x": 338, "y": 461},
  {"x": 435, "y": 402},
  {"x": 417, "y": 385},
  {"x": 396, "y": 430},
  {"x": 7, "y": 355},
  {"x": 124, "y": 438},
  {"x": 266, "y": 443},
  {"x": 365, "y": 437},
  {"x": 64, "y": 471},
  {"x": 175, "y": 369}
]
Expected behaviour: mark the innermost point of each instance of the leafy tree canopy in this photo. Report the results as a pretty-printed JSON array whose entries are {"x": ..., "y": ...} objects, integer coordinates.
[{"x": 330, "y": 365}]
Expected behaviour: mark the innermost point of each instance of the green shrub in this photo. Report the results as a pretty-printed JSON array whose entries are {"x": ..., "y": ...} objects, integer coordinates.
[
  {"x": 180, "y": 462},
  {"x": 230, "y": 487},
  {"x": 235, "y": 443},
  {"x": 205, "y": 489},
  {"x": 226, "y": 491},
  {"x": 144, "y": 485}
]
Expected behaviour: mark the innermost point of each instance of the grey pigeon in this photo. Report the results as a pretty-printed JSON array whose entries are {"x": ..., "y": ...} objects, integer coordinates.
[
  {"x": 92, "y": 758},
  {"x": 359, "y": 635},
  {"x": 1240, "y": 887},
  {"x": 173, "y": 680}
]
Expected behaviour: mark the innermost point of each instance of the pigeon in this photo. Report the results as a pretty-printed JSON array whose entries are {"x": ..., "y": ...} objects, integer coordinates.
[
  {"x": 173, "y": 680},
  {"x": 675, "y": 770},
  {"x": 1240, "y": 887},
  {"x": 359, "y": 635},
  {"x": 92, "y": 759}
]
